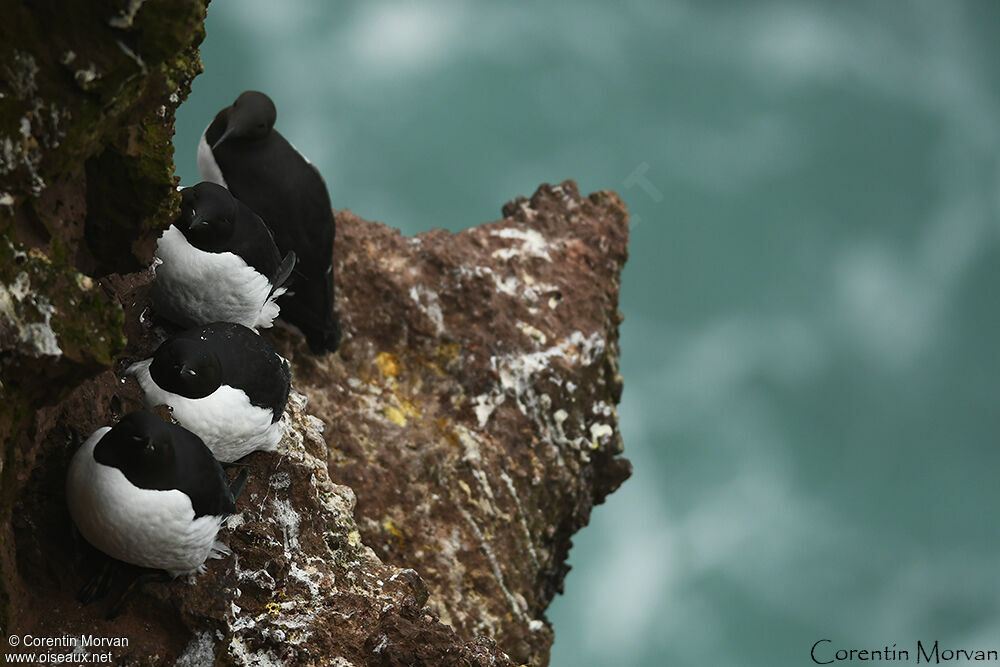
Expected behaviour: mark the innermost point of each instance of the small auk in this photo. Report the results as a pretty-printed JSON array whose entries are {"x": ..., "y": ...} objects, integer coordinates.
[
  {"x": 218, "y": 262},
  {"x": 150, "y": 493},
  {"x": 224, "y": 383}
]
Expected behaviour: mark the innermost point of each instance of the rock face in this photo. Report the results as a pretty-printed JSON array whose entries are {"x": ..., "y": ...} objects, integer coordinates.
[
  {"x": 421, "y": 507},
  {"x": 472, "y": 406}
]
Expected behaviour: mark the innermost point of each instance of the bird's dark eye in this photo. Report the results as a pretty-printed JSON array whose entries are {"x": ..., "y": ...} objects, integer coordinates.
[{"x": 261, "y": 126}]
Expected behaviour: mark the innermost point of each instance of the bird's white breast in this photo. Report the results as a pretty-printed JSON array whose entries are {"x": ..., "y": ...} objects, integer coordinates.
[
  {"x": 195, "y": 287},
  {"x": 225, "y": 420},
  {"x": 208, "y": 168},
  {"x": 145, "y": 527}
]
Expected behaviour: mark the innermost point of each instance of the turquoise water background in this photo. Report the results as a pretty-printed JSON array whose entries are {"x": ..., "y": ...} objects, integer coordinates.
[{"x": 812, "y": 323}]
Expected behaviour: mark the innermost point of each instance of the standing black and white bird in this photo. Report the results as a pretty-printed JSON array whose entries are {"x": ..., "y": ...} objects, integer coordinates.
[
  {"x": 218, "y": 261},
  {"x": 150, "y": 493},
  {"x": 224, "y": 383},
  {"x": 242, "y": 151}
]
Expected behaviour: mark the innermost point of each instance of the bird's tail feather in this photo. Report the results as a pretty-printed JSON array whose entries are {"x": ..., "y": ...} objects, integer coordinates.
[
  {"x": 236, "y": 488},
  {"x": 284, "y": 271}
]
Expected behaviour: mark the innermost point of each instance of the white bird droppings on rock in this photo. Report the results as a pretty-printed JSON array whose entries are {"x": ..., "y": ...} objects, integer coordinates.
[
  {"x": 533, "y": 244},
  {"x": 428, "y": 302}
]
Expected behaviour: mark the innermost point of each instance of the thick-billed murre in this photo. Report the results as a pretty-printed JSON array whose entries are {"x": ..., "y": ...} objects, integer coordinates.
[{"x": 242, "y": 151}]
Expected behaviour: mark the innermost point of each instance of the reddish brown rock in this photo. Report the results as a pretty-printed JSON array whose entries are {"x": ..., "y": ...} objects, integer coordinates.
[{"x": 472, "y": 405}]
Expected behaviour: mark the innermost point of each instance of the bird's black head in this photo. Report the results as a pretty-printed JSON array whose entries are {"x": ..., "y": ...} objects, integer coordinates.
[
  {"x": 186, "y": 367},
  {"x": 141, "y": 445},
  {"x": 251, "y": 116},
  {"x": 208, "y": 216}
]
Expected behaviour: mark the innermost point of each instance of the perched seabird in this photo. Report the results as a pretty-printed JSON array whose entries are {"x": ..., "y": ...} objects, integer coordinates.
[
  {"x": 242, "y": 151},
  {"x": 218, "y": 261},
  {"x": 224, "y": 383},
  {"x": 150, "y": 493}
]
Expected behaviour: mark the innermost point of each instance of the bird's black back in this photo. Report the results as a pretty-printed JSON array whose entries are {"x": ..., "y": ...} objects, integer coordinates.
[
  {"x": 180, "y": 461},
  {"x": 248, "y": 362},
  {"x": 276, "y": 182}
]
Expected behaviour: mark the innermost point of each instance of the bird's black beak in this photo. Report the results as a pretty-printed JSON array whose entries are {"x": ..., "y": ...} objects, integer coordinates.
[
  {"x": 225, "y": 135},
  {"x": 197, "y": 221}
]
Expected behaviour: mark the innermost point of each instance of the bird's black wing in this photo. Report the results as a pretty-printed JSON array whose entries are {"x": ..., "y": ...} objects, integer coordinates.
[
  {"x": 199, "y": 475},
  {"x": 253, "y": 241}
]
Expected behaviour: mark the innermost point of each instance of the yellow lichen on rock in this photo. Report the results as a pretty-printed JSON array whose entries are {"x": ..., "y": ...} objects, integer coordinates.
[
  {"x": 388, "y": 364},
  {"x": 395, "y": 415}
]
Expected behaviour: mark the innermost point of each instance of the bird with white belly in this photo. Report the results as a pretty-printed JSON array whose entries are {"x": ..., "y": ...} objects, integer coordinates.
[
  {"x": 151, "y": 494},
  {"x": 218, "y": 262},
  {"x": 224, "y": 383}
]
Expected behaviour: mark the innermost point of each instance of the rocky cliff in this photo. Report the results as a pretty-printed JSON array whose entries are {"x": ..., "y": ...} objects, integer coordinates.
[{"x": 421, "y": 509}]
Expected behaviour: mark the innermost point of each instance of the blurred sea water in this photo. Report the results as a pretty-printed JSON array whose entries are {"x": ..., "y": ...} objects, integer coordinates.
[{"x": 812, "y": 319}]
